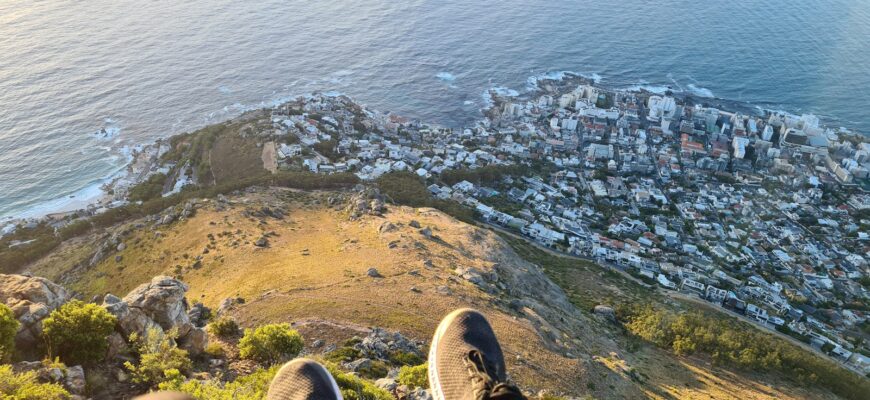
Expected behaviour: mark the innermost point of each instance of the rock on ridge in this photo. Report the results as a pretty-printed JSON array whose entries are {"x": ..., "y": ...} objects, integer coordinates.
[
  {"x": 159, "y": 304},
  {"x": 31, "y": 299}
]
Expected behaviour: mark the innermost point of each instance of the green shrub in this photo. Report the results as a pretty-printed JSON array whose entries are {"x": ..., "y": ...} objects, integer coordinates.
[
  {"x": 376, "y": 370},
  {"x": 78, "y": 331},
  {"x": 248, "y": 387},
  {"x": 215, "y": 350},
  {"x": 24, "y": 386},
  {"x": 157, "y": 354},
  {"x": 271, "y": 343},
  {"x": 417, "y": 376},
  {"x": 8, "y": 329},
  {"x": 223, "y": 327},
  {"x": 255, "y": 385},
  {"x": 355, "y": 388},
  {"x": 343, "y": 354},
  {"x": 150, "y": 189},
  {"x": 405, "y": 358}
]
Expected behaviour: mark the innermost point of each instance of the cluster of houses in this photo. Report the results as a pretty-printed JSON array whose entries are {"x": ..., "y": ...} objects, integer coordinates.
[{"x": 765, "y": 215}]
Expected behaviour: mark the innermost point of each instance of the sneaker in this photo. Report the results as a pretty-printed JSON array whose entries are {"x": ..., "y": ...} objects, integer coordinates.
[
  {"x": 466, "y": 362},
  {"x": 303, "y": 379}
]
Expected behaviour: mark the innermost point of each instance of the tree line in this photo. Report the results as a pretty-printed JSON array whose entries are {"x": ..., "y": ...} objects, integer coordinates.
[{"x": 738, "y": 344}]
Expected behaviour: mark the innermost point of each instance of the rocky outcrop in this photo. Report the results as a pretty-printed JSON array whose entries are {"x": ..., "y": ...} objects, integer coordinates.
[
  {"x": 381, "y": 344},
  {"x": 163, "y": 301},
  {"x": 367, "y": 201},
  {"x": 159, "y": 304},
  {"x": 71, "y": 378},
  {"x": 31, "y": 300}
]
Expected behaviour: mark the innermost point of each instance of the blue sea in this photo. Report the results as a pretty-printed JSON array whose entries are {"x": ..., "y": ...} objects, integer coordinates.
[{"x": 148, "y": 69}]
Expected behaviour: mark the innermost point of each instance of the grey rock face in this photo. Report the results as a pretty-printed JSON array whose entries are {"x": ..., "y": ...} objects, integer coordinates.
[
  {"x": 372, "y": 272},
  {"x": 162, "y": 300},
  {"x": 605, "y": 311},
  {"x": 31, "y": 299},
  {"x": 160, "y": 305}
]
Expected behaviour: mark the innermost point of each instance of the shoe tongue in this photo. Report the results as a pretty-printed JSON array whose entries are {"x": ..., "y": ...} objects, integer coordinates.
[
  {"x": 492, "y": 387},
  {"x": 506, "y": 392}
]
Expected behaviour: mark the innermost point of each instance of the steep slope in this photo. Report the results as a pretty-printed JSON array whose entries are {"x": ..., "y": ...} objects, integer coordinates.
[{"x": 302, "y": 257}]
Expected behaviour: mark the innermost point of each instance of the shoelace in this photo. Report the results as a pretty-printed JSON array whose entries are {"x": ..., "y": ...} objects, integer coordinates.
[{"x": 485, "y": 385}]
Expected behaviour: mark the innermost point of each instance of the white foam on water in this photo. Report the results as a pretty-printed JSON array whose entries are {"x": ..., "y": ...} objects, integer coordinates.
[
  {"x": 657, "y": 89},
  {"x": 224, "y": 89},
  {"x": 445, "y": 76},
  {"x": 504, "y": 92},
  {"x": 79, "y": 199},
  {"x": 532, "y": 81},
  {"x": 700, "y": 91}
]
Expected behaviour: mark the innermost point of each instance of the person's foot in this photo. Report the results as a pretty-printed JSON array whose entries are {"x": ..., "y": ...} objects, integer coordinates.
[
  {"x": 303, "y": 379},
  {"x": 466, "y": 362}
]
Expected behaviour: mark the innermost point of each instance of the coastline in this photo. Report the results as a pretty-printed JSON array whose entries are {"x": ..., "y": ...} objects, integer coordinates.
[{"x": 143, "y": 159}]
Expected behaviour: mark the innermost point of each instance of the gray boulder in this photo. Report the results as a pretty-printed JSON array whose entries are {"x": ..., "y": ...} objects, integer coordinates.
[
  {"x": 357, "y": 365},
  {"x": 379, "y": 344},
  {"x": 130, "y": 320},
  {"x": 373, "y": 272},
  {"x": 194, "y": 342},
  {"x": 74, "y": 381},
  {"x": 198, "y": 314},
  {"x": 228, "y": 304},
  {"x": 162, "y": 300},
  {"x": 31, "y": 300},
  {"x": 605, "y": 311},
  {"x": 387, "y": 384}
]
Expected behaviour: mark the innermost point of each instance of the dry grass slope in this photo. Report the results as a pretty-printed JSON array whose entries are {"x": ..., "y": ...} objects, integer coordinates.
[{"x": 313, "y": 272}]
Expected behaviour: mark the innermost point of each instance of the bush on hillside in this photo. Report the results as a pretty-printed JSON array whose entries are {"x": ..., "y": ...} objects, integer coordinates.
[
  {"x": 8, "y": 329},
  {"x": 271, "y": 343},
  {"x": 402, "y": 358},
  {"x": 157, "y": 354},
  {"x": 408, "y": 189},
  {"x": 223, "y": 327},
  {"x": 375, "y": 370},
  {"x": 150, "y": 189},
  {"x": 741, "y": 345},
  {"x": 248, "y": 387},
  {"x": 416, "y": 376},
  {"x": 355, "y": 388},
  {"x": 25, "y": 386},
  {"x": 77, "y": 332}
]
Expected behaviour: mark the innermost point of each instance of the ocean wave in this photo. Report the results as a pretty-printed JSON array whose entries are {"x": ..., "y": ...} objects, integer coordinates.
[
  {"x": 657, "y": 89},
  {"x": 699, "y": 91},
  {"x": 504, "y": 91},
  {"x": 79, "y": 199},
  {"x": 224, "y": 89},
  {"x": 532, "y": 81},
  {"x": 445, "y": 76},
  {"x": 108, "y": 132}
]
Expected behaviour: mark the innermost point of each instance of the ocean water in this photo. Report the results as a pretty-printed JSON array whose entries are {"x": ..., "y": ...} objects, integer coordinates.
[{"x": 143, "y": 70}]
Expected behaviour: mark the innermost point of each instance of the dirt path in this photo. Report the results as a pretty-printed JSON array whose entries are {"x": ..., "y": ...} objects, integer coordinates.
[{"x": 270, "y": 160}]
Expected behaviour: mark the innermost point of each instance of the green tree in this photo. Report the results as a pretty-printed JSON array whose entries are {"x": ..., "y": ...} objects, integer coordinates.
[
  {"x": 271, "y": 343},
  {"x": 8, "y": 329},
  {"x": 157, "y": 354},
  {"x": 78, "y": 331},
  {"x": 223, "y": 327}
]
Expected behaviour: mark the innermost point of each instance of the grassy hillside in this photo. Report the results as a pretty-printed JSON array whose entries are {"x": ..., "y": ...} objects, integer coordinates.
[{"x": 313, "y": 273}]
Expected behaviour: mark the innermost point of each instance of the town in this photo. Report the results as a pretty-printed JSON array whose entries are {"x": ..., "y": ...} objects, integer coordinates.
[{"x": 763, "y": 214}]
